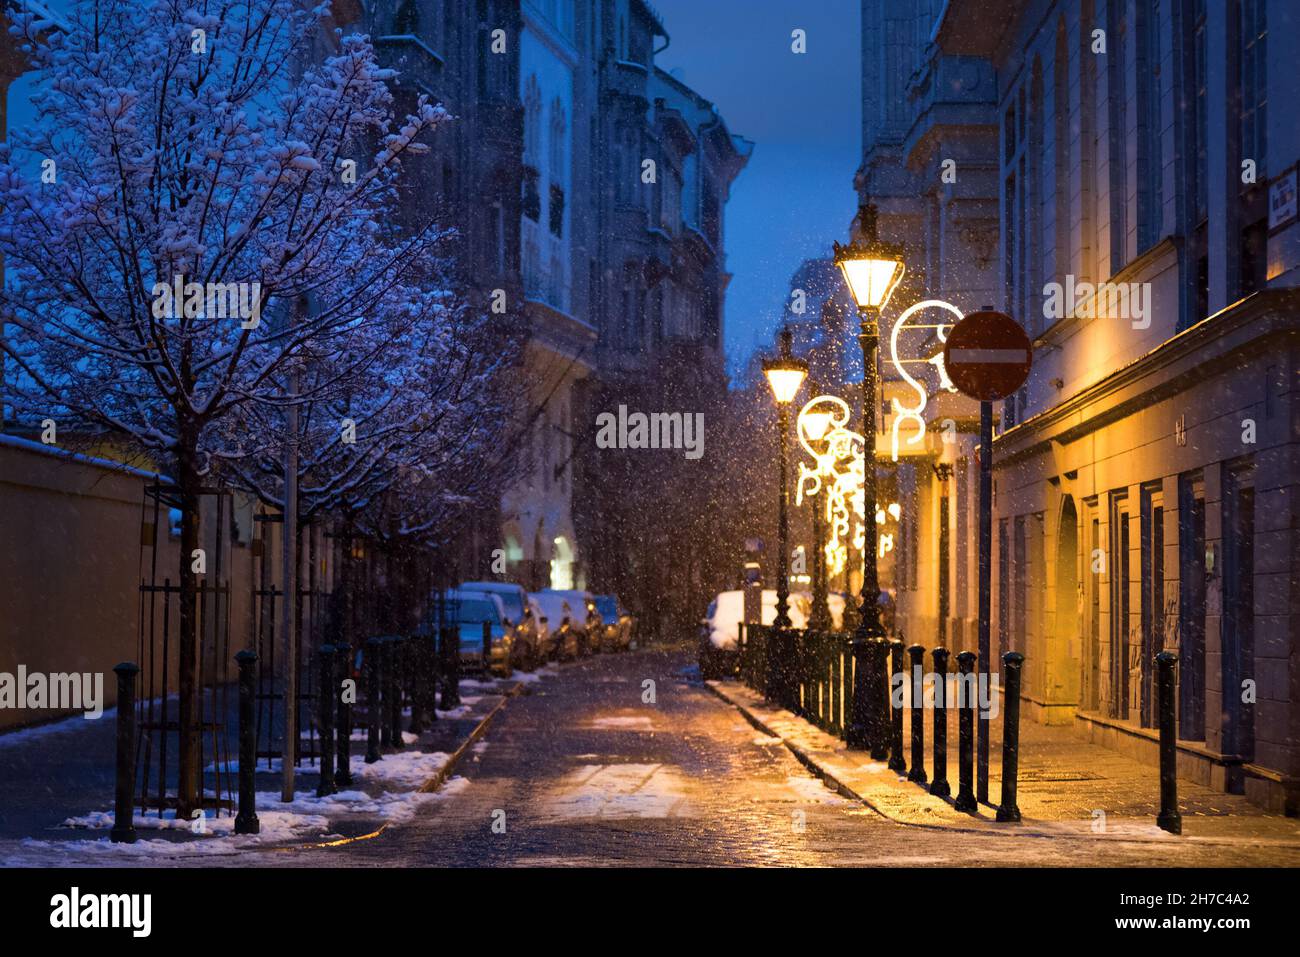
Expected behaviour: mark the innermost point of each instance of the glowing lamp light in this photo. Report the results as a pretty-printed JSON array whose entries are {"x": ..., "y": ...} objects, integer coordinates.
[
  {"x": 871, "y": 268},
  {"x": 785, "y": 373},
  {"x": 816, "y": 423}
]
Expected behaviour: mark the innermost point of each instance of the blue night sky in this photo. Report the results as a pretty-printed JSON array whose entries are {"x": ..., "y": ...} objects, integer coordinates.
[{"x": 803, "y": 112}]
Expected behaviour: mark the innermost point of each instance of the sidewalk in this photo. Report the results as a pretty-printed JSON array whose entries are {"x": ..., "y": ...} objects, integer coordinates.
[
  {"x": 1066, "y": 784},
  {"x": 56, "y": 792}
]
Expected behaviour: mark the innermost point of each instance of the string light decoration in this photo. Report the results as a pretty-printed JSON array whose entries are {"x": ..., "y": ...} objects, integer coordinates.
[
  {"x": 836, "y": 478},
  {"x": 908, "y": 413}
]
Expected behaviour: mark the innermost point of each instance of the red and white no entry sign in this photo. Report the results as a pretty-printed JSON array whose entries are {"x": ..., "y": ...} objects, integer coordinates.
[{"x": 987, "y": 355}]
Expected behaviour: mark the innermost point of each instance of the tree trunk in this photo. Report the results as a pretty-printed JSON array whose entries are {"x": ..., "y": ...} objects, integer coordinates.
[{"x": 189, "y": 482}]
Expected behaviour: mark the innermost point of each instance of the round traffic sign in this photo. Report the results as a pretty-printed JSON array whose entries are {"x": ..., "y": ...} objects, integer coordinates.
[{"x": 987, "y": 355}]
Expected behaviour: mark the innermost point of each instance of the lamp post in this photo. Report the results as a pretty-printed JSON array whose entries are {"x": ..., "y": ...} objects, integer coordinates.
[
  {"x": 872, "y": 269},
  {"x": 785, "y": 374},
  {"x": 816, "y": 424}
]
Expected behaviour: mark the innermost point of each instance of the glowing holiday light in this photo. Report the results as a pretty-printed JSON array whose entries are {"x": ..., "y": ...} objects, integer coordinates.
[{"x": 904, "y": 413}]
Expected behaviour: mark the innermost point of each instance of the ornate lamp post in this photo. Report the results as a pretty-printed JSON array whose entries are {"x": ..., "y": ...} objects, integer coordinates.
[
  {"x": 785, "y": 374},
  {"x": 872, "y": 269},
  {"x": 816, "y": 424}
]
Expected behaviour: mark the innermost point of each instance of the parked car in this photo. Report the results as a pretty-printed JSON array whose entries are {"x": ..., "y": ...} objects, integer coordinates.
[
  {"x": 720, "y": 629},
  {"x": 468, "y": 610},
  {"x": 569, "y": 614},
  {"x": 616, "y": 633},
  {"x": 526, "y": 648},
  {"x": 545, "y": 637}
]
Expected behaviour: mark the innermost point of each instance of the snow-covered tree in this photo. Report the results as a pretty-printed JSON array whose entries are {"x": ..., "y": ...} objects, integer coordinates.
[{"x": 181, "y": 229}]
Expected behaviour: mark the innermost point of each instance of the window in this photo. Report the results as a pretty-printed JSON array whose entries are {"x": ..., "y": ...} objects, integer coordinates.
[
  {"x": 556, "y": 211},
  {"x": 1122, "y": 652},
  {"x": 1150, "y": 158},
  {"x": 557, "y": 142},
  {"x": 1153, "y": 584},
  {"x": 1238, "y": 608},
  {"x": 1191, "y": 607},
  {"x": 532, "y": 122},
  {"x": 1004, "y": 571},
  {"x": 1061, "y": 134},
  {"x": 532, "y": 198},
  {"x": 1117, "y": 145},
  {"x": 407, "y": 21},
  {"x": 1019, "y": 617}
]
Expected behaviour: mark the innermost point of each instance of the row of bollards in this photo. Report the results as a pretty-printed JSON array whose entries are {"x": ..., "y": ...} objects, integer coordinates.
[{"x": 396, "y": 669}]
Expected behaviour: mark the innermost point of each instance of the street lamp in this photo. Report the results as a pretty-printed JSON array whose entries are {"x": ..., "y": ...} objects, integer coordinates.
[
  {"x": 785, "y": 374},
  {"x": 872, "y": 270},
  {"x": 816, "y": 423}
]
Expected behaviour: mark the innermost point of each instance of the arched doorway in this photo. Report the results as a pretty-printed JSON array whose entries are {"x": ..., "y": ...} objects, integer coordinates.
[{"x": 1064, "y": 651}]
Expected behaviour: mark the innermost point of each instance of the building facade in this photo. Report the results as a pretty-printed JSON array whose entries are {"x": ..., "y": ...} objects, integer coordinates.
[
  {"x": 1110, "y": 174},
  {"x": 587, "y": 186}
]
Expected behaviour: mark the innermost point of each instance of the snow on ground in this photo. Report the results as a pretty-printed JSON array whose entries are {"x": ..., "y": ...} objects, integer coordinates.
[
  {"x": 390, "y": 794},
  {"x": 618, "y": 791},
  {"x": 623, "y": 723}
]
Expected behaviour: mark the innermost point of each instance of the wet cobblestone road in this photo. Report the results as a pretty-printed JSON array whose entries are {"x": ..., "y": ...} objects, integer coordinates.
[{"x": 582, "y": 771}]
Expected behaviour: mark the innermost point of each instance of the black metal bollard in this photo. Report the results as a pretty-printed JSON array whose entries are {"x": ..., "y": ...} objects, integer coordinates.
[
  {"x": 374, "y": 711},
  {"x": 879, "y": 703},
  {"x": 939, "y": 786},
  {"x": 393, "y": 691},
  {"x": 246, "y": 821},
  {"x": 123, "y": 831},
  {"x": 450, "y": 647},
  {"x": 966, "y": 704},
  {"x": 1168, "y": 819},
  {"x": 325, "y": 720},
  {"x": 1012, "y": 662},
  {"x": 430, "y": 675},
  {"x": 896, "y": 762},
  {"x": 916, "y": 653},
  {"x": 487, "y": 648},
  {"x": 343, "y": 673}
]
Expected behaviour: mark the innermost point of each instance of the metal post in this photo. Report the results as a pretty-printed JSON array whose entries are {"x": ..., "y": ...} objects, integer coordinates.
[
  {"x": 820, "y": 618},
  {"x": 393, "y": 692},
  {"x": 896, "y": 762},
  {"x": 966, "y": 702},
  {"x": 985, "y": 588},
  {"x": 343, "y": 672},
  {"x": 939, "y": 786},
  {"x": 1008, "y": 810},
  {"x": 1169, "y": 819},
  {"x": 487, "y": 648},
  {"x": 325, "y": 719},
  {"x": 864, "y": 730},
  {"x": 374, "y": 710},
  {"x": 917, "y": 773},
  {"x": 123, "y": 831},
  {"x": 246, "y": 821},
  {"x": 783, "y": 525}
]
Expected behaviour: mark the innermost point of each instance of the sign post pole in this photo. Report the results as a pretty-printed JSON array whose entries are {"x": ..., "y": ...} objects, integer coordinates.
[
  {"x": 987, "y": 357},
  {"x": 985, "y": 590}
]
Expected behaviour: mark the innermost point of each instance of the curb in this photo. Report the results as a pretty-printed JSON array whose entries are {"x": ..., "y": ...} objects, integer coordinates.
[
  {"x": 433, "y": 783},
  {"x": 1009, "y": 830}
]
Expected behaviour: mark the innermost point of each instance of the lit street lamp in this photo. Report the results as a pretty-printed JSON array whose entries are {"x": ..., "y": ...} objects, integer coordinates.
[
  {"x": 816, "y": 424},
  {"x": 872, "y": 270},
  {"x": 785, "y": 374}
]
